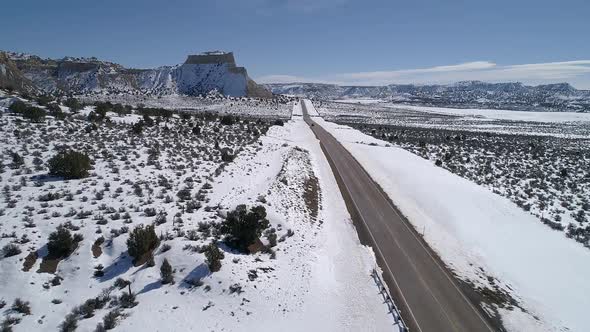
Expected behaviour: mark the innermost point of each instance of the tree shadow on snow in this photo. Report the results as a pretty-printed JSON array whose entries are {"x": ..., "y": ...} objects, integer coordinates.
[
  {"x": 193, "y": 277},
  {"x": 46, "y": 178},
  {"x": 119, "y": 266},
  {"x": 224, "y": 247},
  {"x": 150, "y": 287}
]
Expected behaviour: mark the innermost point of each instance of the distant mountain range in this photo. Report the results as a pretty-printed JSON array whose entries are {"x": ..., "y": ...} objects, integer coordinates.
[
  {"x": 469, "y": 94},
  {"x": 198, "y": 75}
]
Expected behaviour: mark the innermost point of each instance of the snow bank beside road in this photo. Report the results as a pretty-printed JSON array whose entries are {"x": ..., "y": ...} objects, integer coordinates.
[
  {"x": 472, "y": 228},
  {"x": 310, "y": 108}
]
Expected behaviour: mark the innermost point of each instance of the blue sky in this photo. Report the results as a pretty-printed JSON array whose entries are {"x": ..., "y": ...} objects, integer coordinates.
[{"x": 342, "y": 41}]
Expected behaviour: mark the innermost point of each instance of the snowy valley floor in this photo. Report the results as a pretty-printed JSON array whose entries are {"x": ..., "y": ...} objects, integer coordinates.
[{"x": 484, "y": 238}]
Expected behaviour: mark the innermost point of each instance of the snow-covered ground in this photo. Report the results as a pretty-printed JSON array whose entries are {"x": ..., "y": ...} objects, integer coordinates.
[
  {"x": 319, "y": 280},
  {"x": 483, "y": 237},
  {"x": 556, "y": 124},
  {"x": 359, "y": 101},
  {"x": 552, "y": 117},
  {"x": 279, "y": 107}
]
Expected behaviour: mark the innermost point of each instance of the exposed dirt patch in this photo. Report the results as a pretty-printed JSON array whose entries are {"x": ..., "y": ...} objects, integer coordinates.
[
  {"x": 312, "y": 196},
  {"x": 49, "y": 265},
  {"x": 297, "y": 175},
  {"x": 96, "y": 248},
  {"x": 30, "y": 261}
]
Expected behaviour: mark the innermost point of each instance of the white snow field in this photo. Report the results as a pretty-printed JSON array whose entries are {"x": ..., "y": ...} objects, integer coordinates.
[
  {"x": 479, "y": 234},
  {"x": 319, "y": 280},
  {"x": 548, "y": 117}
]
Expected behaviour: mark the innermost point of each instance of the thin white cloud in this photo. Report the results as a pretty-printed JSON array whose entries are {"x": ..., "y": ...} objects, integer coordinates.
[
  {"x": 575, "y": 72},
  {"x": 272, "y": 7},
  {"x": 313, "y": 5},
  {"x": 287, "y": 79}
]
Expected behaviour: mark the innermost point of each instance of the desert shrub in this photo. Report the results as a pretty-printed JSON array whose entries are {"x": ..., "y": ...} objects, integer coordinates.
[
  {"x": 22, "y": 307},
  {"x": 18, "y": 106},
  {"x": 196, "y": 130},
  {"x": 137, "y": 128},
  {"x": 10, "y": 250},
  {"x": 87, "y": 309},
  {"x": 149, "y": 212},
  {"x": 61, "y": 243},
  {"x": 70, "y": 165},
  {"x": 161, "y": 218},
  {"x": 147, "y": 120},
  {"x": 44, "y": 100},
  {"x": 214, "y": 257},
  {"x": 55, "y": 110},
  {"x": 35, "y": 114},
  {"x": 17, "y": 160},
  {"x": 243, "y": 227},
  {"x": 192, "y": 235},
  {"x": 102, "y": 109},
  {"x": 121, "y": 283},
  {"x": 8, "y": 322},
  {"x": 278, "y": 122},
  {"x": 73, "y": 104},
  {"x": 272, "y": 239},
  {"x": 127, "y": 300},
  {"x": 109, "y": 321},
  {"x": 50, "y": 196},
  {"x": 166, "y": 272},
  {"x": 227, "y": 120},
  {"x": 165, "y": 247},
  {"x": 70, "y": 323},
  {"x": 184, "y": 194},
  {"x": 226, "y": 155},
  {"x": 142, "y": 240}
]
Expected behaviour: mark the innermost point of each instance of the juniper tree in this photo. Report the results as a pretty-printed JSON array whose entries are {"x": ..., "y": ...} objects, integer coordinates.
[
  {"x": 61, "y": 243},
  {"x": 244, "y": 227},
  {"x": 166, "y": 272},
  {"x": 141, "y": 241},
  {"x": 214, "y": 257},
  {"x": 70, "y": 165}
]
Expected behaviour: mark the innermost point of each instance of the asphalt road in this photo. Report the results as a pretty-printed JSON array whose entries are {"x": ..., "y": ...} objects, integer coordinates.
[{"x": 427, "y": 294}]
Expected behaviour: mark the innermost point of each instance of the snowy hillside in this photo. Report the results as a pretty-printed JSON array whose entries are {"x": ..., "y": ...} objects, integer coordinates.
[{"x": 185, "y": 174}]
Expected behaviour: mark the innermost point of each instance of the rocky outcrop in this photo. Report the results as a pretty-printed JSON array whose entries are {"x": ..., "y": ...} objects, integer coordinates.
[
  {"x": 217, "y": 71},
  {"x": 198, "y": 75},
  {"x": 11, "y": 77}
]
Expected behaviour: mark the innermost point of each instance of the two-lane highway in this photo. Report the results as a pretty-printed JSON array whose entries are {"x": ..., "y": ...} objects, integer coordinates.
[{"x": 425, "y": 291}]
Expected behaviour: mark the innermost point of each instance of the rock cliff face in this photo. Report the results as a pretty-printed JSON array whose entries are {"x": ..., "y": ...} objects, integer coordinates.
[
  {"x": 199, "y": 74},
  {"x": 11, "y": 78}
]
